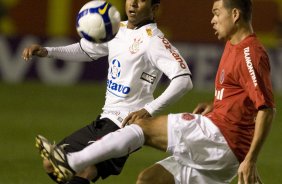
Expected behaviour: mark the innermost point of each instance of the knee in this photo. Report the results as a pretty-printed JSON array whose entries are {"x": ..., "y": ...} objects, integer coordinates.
[
  {"x": 145, "y": 177},
  {"x": 47, "y": 166},
  {"x": 155, "y": 174}
]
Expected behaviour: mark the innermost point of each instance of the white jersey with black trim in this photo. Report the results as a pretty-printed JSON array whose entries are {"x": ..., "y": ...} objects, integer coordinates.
[{"x": 137, "y": 59}]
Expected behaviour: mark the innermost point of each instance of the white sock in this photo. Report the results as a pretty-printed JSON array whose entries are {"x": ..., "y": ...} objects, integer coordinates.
[{"x": 112, "y": 145}]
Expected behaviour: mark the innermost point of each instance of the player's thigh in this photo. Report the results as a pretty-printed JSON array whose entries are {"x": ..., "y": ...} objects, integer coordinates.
[
  {"x": 155, "y": 131},
  {"x": 156, "y": 174}
]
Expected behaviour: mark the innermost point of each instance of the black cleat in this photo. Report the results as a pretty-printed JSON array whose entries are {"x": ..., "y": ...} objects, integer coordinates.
[{"x": 57, "y": 157}]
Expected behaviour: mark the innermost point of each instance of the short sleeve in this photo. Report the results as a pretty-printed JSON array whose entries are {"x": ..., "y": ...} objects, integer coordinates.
[
  {"x": 166, "y": 57},
  {"x": 255, "y": 77}
]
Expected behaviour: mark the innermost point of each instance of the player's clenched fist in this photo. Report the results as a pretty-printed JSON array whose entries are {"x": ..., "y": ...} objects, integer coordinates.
[{"x": 34, "y": 50}]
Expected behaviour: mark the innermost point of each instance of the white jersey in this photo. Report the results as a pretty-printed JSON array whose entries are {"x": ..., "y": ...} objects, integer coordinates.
[{"x": 137, "y": 59}]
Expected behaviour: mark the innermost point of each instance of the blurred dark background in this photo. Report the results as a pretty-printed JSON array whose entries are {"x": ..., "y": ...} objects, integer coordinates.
[
  {"x": 186, "y": 23},
  {"x": 182, "y": 20}
]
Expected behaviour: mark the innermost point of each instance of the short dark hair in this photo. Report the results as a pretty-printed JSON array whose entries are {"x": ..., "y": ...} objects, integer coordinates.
[
  {"x": 245, "y": 6},
  {"x": 156, "y": 1}
]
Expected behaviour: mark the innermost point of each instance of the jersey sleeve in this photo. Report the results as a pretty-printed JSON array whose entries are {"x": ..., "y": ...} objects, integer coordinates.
[
  {"x": 166, "y": 58},
  {"x": 93, "y": 50},
  {"x": 71, "y": 52},
  {"x": 255, "y": 77}
]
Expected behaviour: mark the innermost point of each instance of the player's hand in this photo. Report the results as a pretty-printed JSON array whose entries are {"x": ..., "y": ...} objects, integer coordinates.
[
  {"x": 34, "y": 50},
  {"x": 248, "y": 174},
  {"x": 132, "y": 117},
  {"x": 203, "y": 108}
]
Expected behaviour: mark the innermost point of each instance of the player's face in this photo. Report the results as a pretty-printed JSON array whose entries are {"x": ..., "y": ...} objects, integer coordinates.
[
  {"x": 138, "y": 12},
  {"x": 222, "y": 21}
]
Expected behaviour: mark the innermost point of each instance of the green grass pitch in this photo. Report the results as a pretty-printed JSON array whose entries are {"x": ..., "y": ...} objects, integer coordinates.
[{"x": 32, "y": 108}]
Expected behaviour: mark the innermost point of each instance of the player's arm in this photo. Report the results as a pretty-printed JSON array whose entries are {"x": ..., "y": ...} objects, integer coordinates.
[
  {"x": 71, "y": 52},
  {"x": 167, "y": 59},
  {"x": 176, "y": 89},
  {"x": 78, "y": 52},
  {"x": 247, "y": 170},
  {"x": 260, "y": 92}
]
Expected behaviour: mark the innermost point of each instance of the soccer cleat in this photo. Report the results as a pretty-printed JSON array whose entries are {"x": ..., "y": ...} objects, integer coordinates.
[
  {"x": 58, "y": 159},
  {"x": 43, "y": 145},
  {"x": 56, "y": 156}
]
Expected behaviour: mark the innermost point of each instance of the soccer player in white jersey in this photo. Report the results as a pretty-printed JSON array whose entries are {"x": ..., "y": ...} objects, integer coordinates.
[
  {"x": 137, "y": 56},
  {"x": 224, "y": 138}
]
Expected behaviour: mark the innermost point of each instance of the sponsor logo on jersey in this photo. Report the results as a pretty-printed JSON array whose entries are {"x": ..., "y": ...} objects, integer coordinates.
[
  {"x": 173, "y": 52},
  {"x": 219, "y": 94},
  {"x": 250, "y": 65},
  {"x": 115, "y": 88},
  {"x": 221, "y": 77},
  {"x": 188, "y": 116},
  {"x": 135, "y": 47},
  {"x": 147, "y": 77},
  {"x": 115, "y": 69}
]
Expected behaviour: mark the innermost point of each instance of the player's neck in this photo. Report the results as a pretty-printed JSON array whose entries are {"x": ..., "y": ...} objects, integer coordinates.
[
  {"x": 241, "y": 33},
  {"x": 137, "y": 26}
]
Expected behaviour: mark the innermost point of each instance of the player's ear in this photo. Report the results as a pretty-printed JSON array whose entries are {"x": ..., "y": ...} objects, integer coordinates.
[{"x": 236, "y": 15}]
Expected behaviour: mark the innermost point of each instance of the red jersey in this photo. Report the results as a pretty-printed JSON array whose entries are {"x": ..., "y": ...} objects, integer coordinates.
[{"x": 242, "y": 87}]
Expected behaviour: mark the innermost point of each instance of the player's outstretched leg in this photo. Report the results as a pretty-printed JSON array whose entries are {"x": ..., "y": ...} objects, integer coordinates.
[{"x": 57, "y": 157}]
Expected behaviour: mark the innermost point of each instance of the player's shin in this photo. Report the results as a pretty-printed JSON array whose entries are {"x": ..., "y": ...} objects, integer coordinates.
[{"x": 112, "y": 145}]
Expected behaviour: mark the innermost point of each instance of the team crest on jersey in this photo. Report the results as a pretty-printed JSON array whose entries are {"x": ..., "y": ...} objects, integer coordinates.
[
  {"x": 221, "y": 78},
  {"x": 188, "y": 116},
  {"x": 149, "y": 32},
  {"x": 135, "y": 47},
  {"x": 115, "y": 69},
  {"x": 113, "y": 85}
]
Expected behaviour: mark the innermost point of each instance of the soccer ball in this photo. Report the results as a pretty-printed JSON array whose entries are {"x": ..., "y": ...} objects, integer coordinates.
[{"x": 98, "y": 21}]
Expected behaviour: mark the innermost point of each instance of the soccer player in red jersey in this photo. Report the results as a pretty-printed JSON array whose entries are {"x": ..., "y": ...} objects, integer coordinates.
[{"x": 216, "y": 141}]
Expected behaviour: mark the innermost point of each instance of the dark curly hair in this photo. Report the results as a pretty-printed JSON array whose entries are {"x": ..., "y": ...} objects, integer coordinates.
[{"x": 156, "y": 1}]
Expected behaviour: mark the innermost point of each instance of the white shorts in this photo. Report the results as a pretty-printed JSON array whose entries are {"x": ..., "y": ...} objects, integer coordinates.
[{"x": 200, "y": 153}]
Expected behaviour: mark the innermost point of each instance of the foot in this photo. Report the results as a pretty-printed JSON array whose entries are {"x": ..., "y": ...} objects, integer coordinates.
[
  {"x": 43, "y": 145},
  {"x": 57, "y": 157}
]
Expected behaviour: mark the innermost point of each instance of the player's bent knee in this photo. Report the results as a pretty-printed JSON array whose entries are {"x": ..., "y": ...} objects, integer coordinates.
[
  {"x": 155, "y": 174},
  {"x": 47, "y": 166},
  {"x": 144, "y": 177}
]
